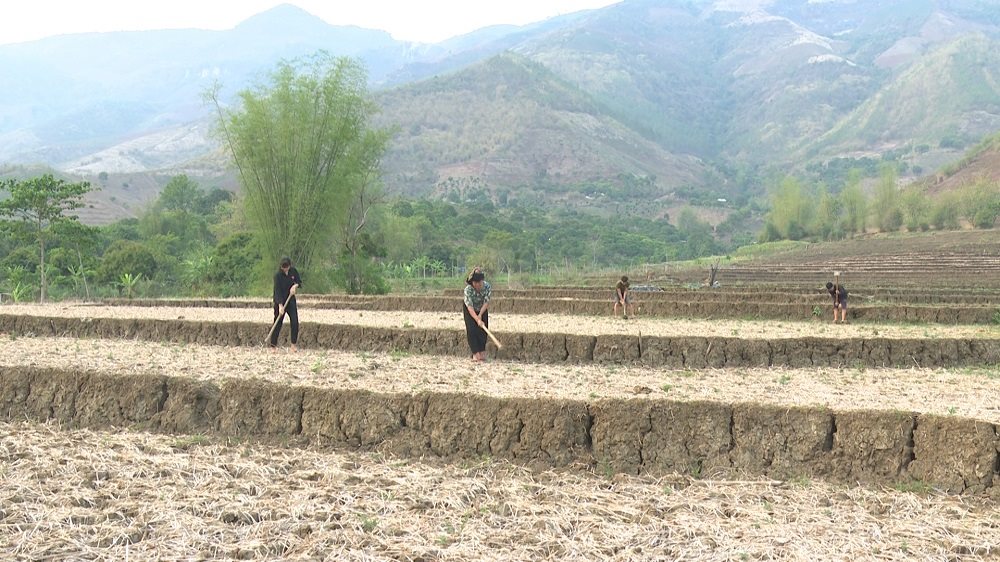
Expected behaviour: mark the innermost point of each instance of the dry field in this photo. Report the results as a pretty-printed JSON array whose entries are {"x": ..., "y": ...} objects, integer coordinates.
[
  {"x": 523, "y": 323},
  {"x": 214, "y": 492},
  {"x": 91, "y": 495},
  {"x": 967, "y": 392}
]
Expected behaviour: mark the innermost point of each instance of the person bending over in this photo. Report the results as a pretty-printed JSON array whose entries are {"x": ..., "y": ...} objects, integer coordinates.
[
  {"x": 623, "y": 297},
  {"x": 286, "y": 282},
  {"x": 475, "y": 313},
  {"x": 839, "y": 294}
]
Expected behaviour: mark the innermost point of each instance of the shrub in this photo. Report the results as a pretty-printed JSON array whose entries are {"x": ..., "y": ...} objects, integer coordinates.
[{"x": 125, "y": 256}]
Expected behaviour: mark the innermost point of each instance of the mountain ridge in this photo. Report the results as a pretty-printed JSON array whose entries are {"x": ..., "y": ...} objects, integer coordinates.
[{"x": 688, "y": 95}]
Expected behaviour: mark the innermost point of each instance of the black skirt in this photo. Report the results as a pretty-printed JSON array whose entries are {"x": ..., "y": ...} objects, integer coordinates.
[{"x": 475, "y": 334}]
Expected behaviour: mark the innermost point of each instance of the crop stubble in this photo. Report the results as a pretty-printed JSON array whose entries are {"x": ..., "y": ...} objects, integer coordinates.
[{"x": 99, "y": 495}]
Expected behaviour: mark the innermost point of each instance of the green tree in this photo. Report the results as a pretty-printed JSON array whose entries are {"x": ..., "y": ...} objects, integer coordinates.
[
  {"x": 854, "y": 203},
  {"x": 698, "y": 235},
  {"x": 180, "y": 194},
  {"x": 79, "y": 243},
  {"x": 791, "y": 211},
  {"x": 916, "y": 209},
  {"x": 946, "y": 212},
  {"x": 233, "y": 263},
  {"x": 304, "y": 146},
  {"x": 357, "y": 245},
  {"x": 126, "y": 256},
  {"x": 981, "y": 202},
  {"x": 179, "y": 211},
  {"x": 888, "y": 214},
  {"x": 42, "y": 202},
  {"x": 828, "y": 222}
]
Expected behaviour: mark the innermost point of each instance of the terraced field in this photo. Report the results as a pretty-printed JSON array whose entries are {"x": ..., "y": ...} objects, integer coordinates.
[
  {"x": 734, "y": 429},
  {"x": 936, "y": 260}
]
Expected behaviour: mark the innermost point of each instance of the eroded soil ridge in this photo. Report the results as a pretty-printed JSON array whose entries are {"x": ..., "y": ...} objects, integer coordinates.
[
  {"x": 690, "y": 352},
  {"x": 636, "y": 436}
]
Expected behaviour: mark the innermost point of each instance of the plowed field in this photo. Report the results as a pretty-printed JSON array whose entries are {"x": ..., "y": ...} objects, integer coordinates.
[
  {"x": 94, "y": 495},
  {"x": 169, "y": 431}
]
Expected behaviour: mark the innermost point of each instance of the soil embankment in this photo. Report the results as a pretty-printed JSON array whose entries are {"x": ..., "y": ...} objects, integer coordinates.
[
  {"x": 957, "y": 347},
  {"x": 653, "y": 437}
]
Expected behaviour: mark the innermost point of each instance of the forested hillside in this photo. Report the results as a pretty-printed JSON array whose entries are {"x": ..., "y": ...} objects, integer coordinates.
[{"x": 704, "y": 97}]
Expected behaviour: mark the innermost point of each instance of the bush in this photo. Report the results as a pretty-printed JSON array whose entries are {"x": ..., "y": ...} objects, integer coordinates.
[
  {"x": 945, "y": 215},
  {"x": 358, "y": 275},
  {"x": 234, "y": 264},
  {"x": 24, "y": 256},
  {"x": 126, "y": 256}
]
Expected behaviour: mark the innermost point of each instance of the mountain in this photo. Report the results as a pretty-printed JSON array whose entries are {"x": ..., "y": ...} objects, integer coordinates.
[
  {"x": 950, "y": 94},
  {"x": 69, "y": 96},
  {"x": 511, "y": 122},
  {"x": 657, "y": 103},
  {"x": 981, "y": 163}
]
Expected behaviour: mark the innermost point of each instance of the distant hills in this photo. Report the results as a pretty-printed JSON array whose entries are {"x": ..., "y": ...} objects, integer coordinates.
[{"x": 647, "y": 103}]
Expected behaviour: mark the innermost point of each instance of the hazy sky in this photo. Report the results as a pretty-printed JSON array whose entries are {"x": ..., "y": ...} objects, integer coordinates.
[{"x": 407, "y": 20}]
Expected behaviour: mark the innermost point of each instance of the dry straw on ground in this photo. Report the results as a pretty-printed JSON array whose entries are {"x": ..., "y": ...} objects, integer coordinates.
[
  {"x": 516, "y": 324},
  {"x": 967, "y": 392},
  {"x": 125, "y": 496}
]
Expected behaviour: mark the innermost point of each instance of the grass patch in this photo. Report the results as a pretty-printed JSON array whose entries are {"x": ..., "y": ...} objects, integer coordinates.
[
  {"x": 913, "y": 487},
  {"x": 188, "y": 441}
]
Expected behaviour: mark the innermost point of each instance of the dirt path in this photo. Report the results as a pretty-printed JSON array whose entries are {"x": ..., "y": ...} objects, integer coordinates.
[
  {"x": 973, "y": 393},
  {"x": 121, "y": 495},
  {"x": 541, "y": 323}
]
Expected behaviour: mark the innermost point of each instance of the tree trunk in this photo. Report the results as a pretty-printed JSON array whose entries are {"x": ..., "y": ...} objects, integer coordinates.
[
  {"x": 41, "y": 243},
  {"x": 83, "y": 273}
]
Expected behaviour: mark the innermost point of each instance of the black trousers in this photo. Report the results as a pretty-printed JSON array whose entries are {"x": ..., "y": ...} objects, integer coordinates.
[
  {"x": 293, "y": 317},
  {"x": 475, "y": 334}
]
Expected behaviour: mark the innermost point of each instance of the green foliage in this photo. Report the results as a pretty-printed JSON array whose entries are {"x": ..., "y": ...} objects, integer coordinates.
[
  {"x": 181, "y": 214},
  {"x": 888, "y": 215},
  {"x": 918, "y": 487},
  {"x": 359, "y": 275},
  {"x": 304, "y": 148},
  {"x": 980, "y": 202},
  {"x": 916, "y": 208},
  {"x": 42, "y": 202},
  {"x": 792, "y": 208},
  {"x": 855, "y": 205},
  {"x": 23, "y": 257},
  {"x": 518, "y": 237},
  {"x": 233, "y": 264},
  {"x": 946, "y": 212},
  {"x": 828, "y": 225},
  {"x": 125, "y": 256},
  {"x": 698, "y": 237},
  {"x": 890, "y": 207},
  {"x": 181, "y": 194},
  {"x": 128, "y": 282}
]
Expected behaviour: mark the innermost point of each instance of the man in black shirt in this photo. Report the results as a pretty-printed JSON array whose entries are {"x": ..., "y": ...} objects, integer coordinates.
[{"x": 286, "y": 282}]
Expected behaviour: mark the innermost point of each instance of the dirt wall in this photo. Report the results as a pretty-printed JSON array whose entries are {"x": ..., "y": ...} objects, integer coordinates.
[
  {"x": 815, "y": 293},
  {"x": 636, "y": 436},
  {"x": 720, "y": 307},
  {"x": 675, "y": 352}
]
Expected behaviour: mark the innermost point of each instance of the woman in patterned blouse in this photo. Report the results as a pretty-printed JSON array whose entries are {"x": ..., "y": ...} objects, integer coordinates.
[{"x": 477, "y": 301}]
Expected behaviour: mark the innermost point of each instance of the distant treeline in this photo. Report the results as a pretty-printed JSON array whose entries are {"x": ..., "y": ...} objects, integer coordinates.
[
  {"x": 193, "y": 241},
  {"x": 801, "y": 211}
]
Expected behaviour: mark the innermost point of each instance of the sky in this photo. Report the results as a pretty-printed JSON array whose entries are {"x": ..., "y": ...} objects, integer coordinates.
[{"x": 425, "y": 21}]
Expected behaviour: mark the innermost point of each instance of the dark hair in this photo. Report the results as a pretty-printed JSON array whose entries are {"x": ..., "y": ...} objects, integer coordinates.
[
  {"x": 624, "y": 278},
  {"x": 476, "y": 276},
  {"x": 829, "y": 285},
  {"x": 285, "y": 262}
]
